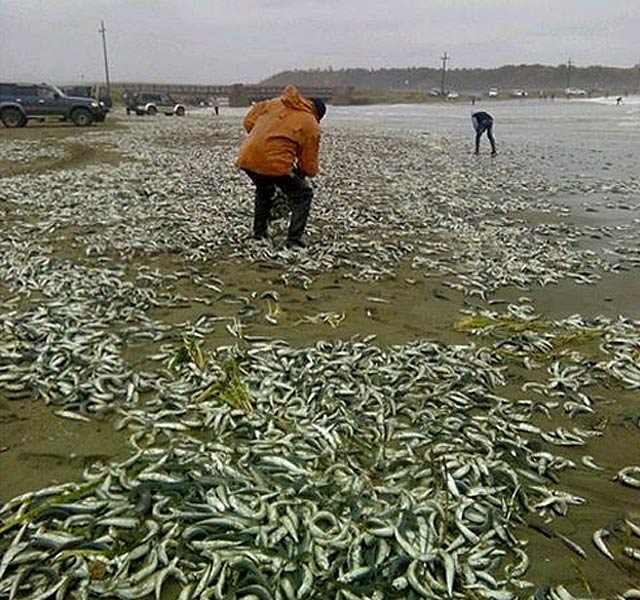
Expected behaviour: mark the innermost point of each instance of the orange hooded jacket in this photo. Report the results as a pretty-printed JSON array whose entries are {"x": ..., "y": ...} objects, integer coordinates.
[{"x": 282, "y": 132}]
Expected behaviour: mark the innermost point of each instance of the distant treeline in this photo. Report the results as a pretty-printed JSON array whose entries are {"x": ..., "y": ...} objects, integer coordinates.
[{"x": 526, "y": 77}]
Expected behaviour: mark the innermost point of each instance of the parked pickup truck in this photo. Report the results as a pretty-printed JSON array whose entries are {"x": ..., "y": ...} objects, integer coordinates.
[{"x": 20, "y": 103}]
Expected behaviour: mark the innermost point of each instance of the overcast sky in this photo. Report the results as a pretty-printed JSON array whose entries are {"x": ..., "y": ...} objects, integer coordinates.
[{"x": 216, "y": 41}]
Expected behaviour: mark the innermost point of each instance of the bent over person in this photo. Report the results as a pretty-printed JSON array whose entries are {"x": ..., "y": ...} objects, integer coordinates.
[
  {"x": 483, "y": 122},
  {"x": 281, "y": 151}
]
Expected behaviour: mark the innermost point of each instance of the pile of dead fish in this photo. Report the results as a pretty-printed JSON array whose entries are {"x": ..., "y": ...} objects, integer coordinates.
[
  {"x": 572, "y": 376},
  {"x": 67, "y": 348},
  {"x": 24, "y": 151},
  {"x": 340, "y": 470}
]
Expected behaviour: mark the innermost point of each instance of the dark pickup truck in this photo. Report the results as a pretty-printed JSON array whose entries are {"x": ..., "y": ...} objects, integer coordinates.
[{"x": 20, "y": 103}]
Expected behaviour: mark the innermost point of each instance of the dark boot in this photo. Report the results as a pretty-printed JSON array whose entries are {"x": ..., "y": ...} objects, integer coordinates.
[{"x": 293, "y": 244}]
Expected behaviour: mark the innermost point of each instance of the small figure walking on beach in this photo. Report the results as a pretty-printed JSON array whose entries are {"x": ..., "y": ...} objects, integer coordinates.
[
  {"x": 618, "y": 100},
  {"x": 483, "y": 122}
]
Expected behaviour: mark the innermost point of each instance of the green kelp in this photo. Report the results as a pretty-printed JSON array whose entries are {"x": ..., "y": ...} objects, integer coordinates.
[{"x": 229, "y": 388}]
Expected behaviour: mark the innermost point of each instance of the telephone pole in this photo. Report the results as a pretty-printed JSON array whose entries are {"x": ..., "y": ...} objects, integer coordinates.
[
  {"x": 103, "y": 31},
  {"x": 569, "y": 65},
  {"x": 445, "y": 57}
]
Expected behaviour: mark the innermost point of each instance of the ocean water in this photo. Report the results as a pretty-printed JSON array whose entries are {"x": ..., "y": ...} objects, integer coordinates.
[{"x": 516, "y": 121}]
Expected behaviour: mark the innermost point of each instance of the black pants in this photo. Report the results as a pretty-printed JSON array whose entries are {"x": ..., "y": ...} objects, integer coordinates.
[
  {"x": 488, "y": 127},
  {"x": 296, "y": 189}
]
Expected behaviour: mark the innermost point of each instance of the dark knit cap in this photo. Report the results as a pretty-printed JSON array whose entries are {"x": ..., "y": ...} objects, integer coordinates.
[{"x": 321, "y": 107}]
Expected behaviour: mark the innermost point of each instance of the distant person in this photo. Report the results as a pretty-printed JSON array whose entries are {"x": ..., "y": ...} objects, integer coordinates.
[
  {"x": 483, "y": 123},
  {"x": 281, "y": 151},
  {"x": 618, "y": 100},
  {"x": 125, "y": 99}
]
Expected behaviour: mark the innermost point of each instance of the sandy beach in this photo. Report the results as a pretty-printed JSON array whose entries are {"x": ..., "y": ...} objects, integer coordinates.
[{"x": 127, "y": 272}]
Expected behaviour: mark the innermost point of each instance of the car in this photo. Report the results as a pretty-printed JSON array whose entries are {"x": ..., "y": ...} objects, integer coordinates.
[
  {"x": 151, "y": 103},
  {"x": 576, "y": 92},
  {"x": 519, "y": 94},
  {"x": 434, "y": 92},
  {"x": 493, "y": 93},
  {"x": 453, "y": 95},
  {"x": 23, "y": 102}
]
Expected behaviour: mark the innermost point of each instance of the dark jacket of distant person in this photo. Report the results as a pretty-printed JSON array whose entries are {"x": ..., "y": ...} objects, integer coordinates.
[
  {"x": 481, "y": 121},
  {"x": 283, "y": 134}
]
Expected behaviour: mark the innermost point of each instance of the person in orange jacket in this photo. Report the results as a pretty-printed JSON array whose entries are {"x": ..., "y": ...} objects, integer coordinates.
[{"x": 281, "y": 151}]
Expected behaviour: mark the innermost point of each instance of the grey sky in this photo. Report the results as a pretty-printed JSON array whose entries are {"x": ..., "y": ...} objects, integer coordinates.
[{"x": 226, "y": 41}]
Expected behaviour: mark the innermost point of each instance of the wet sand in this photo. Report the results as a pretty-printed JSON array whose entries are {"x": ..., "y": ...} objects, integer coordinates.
[{"x": 40, "y": 449}]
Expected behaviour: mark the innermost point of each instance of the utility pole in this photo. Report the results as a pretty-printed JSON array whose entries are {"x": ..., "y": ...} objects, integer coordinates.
[
  {"x": 103, "y": 31},
  {"x": 445, "y": 57},
  {"x": 569, "y": 65}
]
